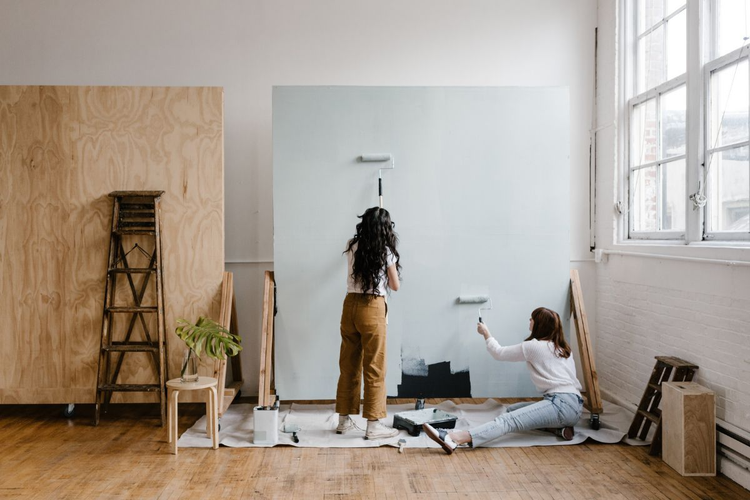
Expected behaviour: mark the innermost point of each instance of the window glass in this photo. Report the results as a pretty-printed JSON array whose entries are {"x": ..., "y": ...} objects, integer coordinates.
[
  {"x": 728, "y": 109},
  {"x": 732, "y": 25},
  {"x": 673, "y": 196},
  {"x": 644, "y": 184},
  {"x": 729, "y": 191}
]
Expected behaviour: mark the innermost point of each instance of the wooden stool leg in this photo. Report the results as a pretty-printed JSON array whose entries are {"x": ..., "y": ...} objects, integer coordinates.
[
  {"x": 169, "y": 415},
  {"x": 209, "y": 424},
  {"x": 174, "y": 421},
  {"x": 214, "y": 418}
]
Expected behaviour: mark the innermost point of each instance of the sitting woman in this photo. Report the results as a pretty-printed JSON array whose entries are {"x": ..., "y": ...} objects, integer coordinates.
[{"x": 553, "y": 372}]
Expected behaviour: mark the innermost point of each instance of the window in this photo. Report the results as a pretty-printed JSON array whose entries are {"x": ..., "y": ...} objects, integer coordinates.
[
  {"x": 688, "y": 182},
  {"x": 657, "y": 175},
  {"x": 727, "y": 171}
]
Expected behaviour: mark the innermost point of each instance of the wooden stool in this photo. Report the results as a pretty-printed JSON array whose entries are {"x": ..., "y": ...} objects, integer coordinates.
[{"x": 174, "y": 387}]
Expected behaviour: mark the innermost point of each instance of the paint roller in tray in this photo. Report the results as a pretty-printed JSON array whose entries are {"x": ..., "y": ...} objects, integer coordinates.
[
  {"x": 379, "y": 158},
  {"x": 476, "y": 299}
]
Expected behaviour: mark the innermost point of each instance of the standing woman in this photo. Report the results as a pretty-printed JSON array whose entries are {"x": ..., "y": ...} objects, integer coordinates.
[{"x": 373, "y": 269}]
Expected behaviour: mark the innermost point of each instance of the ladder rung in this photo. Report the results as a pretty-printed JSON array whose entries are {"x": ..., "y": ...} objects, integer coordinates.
[
  {"x": 134, "y": 231},
  {"x": 125, "y": 309},
  {"x": 130, "y": 387},
  {"x": 132, "y": 347},
  {"x": 136, "y": 224},
  {"x": 137, "y": 212},
  {"x": 136, "y": 206},
  {"x": 133, "y": 270},
  {"x": 675, "y": 362},
  {"x": 650, "y": 416}
]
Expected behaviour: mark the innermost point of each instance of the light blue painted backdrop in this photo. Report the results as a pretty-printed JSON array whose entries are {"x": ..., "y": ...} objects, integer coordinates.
[{"x": 480, "y": 198}]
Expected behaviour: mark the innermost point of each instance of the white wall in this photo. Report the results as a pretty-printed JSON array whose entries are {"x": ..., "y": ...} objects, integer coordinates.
[
  {"x": 249, "y": 46},
  {"x": 698, "y": 311}
]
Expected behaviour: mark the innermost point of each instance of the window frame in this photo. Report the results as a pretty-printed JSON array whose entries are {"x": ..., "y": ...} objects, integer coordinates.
[
  {"x": 727, "y": 60},
  {"x": 701, "y": 18},
  {"x": 636, "y": 99}
]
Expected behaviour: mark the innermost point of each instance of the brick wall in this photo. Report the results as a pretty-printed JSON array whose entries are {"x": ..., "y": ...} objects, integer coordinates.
[{"x": 700, "y": 317}]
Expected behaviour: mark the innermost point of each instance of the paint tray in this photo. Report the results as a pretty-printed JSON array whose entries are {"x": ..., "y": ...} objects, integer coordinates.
[{"x": 411, "y": 421}]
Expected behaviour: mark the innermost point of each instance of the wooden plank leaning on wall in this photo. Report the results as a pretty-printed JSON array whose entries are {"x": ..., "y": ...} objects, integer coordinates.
[
  {"x": 228, "y": 319},
  {"x": 266, "y": 390}
]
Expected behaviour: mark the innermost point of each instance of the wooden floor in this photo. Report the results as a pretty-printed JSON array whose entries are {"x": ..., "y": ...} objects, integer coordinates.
[{"x": 43, "y": 455}]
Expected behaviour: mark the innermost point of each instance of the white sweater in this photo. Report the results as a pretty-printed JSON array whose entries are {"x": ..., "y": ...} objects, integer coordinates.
[{"x": 549, "y": 373}]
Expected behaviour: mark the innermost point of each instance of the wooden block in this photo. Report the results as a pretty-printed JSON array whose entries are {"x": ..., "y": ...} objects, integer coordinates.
[{"x": 688, "y": 423}]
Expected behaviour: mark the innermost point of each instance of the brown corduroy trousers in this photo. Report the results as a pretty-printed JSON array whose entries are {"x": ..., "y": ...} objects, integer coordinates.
[{"x": 363, "y": 346}]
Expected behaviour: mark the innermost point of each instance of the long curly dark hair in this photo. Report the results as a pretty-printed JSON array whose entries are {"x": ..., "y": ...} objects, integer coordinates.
[
  {"x": 375, "y": 235},
  {"x": 547, "y": 326}
]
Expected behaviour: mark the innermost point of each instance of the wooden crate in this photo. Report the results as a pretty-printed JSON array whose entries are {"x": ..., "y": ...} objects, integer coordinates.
[{"x": 689, "y": 428}]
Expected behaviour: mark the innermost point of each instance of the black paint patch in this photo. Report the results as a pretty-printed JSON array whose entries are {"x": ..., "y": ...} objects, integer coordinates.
[{"x": 439, "y": 382}]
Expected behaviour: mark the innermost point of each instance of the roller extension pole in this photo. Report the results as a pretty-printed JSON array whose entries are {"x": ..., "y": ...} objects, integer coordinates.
[{"x": 380, "y": 190}]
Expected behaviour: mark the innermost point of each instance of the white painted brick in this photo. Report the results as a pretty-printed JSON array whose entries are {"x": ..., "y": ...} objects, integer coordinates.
[{"x": 636, "y": 322}]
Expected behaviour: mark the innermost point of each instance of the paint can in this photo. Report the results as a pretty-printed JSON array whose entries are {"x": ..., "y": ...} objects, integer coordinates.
[{"x": 265, "y": 425}]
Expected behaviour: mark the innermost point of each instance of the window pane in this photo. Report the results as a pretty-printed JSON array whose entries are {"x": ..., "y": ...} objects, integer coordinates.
[
  {"x": 676, "y": 45},
  {"x": 673, "y": 5},
  {"x": 729, "y": 105},
  {"x": 650, "y": 12},
  {"x": 673, "y": 106},
  {"x": 673, "y": 196},
  {"x": 644, "y": 201},
  {"x": 651, "y": 63},
  {"x": 733, "y": 23},
  {"x": 643, "y": 134},
  {"x": 729, "y": 191}
]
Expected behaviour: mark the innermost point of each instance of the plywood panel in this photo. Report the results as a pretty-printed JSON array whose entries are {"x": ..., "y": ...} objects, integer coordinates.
[{"x": 62, "y": 150}]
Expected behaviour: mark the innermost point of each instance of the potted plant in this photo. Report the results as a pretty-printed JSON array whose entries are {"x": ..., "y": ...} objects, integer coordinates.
[{"x": 206, "y": 335}]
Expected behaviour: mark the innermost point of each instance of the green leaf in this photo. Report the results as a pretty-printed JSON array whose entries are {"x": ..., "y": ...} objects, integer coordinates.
[{"x": 208, "y": 336}]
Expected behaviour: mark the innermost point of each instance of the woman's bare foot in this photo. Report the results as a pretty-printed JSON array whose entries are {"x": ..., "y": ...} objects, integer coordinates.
[{"x": 460, "y": 437}]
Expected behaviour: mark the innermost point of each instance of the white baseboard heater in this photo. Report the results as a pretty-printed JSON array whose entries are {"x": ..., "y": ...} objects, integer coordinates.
[{"x": 733, "y": 448}]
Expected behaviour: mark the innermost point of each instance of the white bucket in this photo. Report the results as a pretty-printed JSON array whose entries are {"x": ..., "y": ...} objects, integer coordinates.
[{"x": 265, "y": 426}]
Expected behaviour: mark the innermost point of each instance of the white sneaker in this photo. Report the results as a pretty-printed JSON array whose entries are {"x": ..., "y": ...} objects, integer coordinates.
[
  {"x": 377, "y": 430},
  {"x": 346, "y": 424}
]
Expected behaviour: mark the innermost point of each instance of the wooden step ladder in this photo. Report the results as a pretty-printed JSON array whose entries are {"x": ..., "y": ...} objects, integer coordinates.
[
  {"x": 135, "y": 219},
  {"x": 648, "y": 410}
]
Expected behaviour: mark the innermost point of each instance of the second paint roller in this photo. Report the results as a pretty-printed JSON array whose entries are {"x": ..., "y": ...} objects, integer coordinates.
[
  {"x": 379, "y": 158},
  {"x": 476, "y": 299}
]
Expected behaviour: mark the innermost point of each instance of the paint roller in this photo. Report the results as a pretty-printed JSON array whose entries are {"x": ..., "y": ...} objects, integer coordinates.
[
  {"x": 476, "y": 299},
  {"x": 379, "y": 158}
]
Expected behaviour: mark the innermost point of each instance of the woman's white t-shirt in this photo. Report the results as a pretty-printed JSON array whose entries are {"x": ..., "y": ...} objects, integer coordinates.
[{"x": 354, "y": 287}]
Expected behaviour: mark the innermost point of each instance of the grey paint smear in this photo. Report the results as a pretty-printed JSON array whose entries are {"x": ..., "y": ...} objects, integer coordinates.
[{"x": 414, "y": 366}]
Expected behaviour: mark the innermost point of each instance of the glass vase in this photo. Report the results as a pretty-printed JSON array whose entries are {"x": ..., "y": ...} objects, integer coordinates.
[{"x": 189, "y": 372}]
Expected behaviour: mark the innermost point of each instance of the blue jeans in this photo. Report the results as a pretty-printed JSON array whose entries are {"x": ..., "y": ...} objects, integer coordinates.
[{"x": 556, "y": 410}]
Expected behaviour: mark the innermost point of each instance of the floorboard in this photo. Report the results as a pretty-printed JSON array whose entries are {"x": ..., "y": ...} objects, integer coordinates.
[{"x": 43, "y": 455}]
